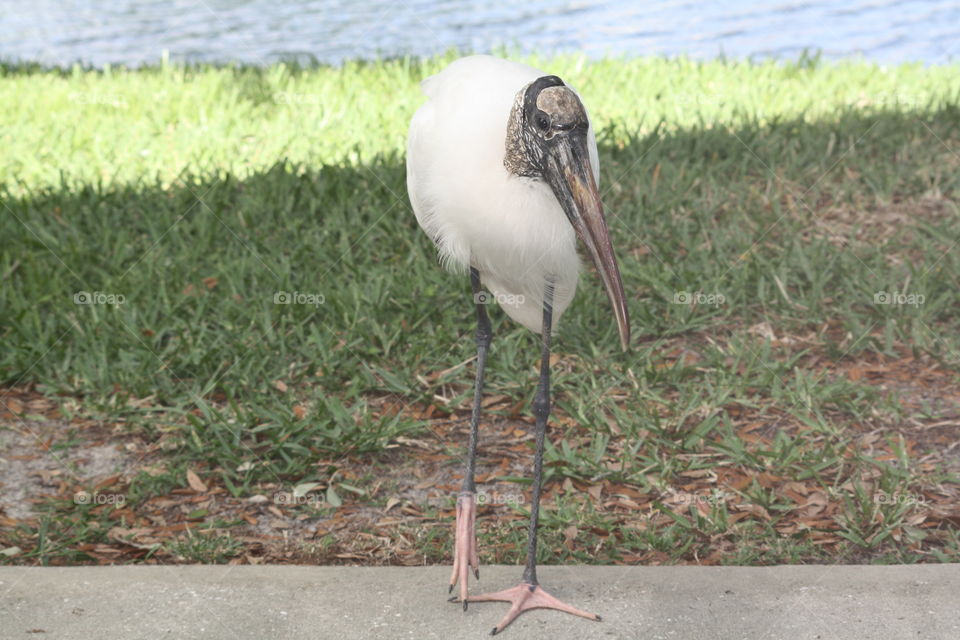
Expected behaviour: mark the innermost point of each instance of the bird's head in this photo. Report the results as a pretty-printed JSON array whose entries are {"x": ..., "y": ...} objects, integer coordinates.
[{"x": 547, "y": 140}]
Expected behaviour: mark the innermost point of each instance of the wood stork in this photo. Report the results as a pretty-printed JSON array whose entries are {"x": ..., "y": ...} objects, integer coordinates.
[{"x": 502, "y": 174}]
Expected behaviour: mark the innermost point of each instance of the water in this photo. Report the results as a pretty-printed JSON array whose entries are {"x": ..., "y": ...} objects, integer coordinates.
[{"x": 132, "y": 32}]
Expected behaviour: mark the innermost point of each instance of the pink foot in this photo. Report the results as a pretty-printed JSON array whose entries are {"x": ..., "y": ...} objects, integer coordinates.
[
  {"x": 526, "y": 596},
  {"x": 465, "y": 546}
]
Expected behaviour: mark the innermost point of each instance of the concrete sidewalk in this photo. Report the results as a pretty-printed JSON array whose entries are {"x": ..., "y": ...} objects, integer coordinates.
[{"x": 316, "y": 603}]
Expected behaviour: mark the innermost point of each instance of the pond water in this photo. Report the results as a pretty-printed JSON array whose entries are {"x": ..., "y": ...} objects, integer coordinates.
[{"x": 133, "y": 32}]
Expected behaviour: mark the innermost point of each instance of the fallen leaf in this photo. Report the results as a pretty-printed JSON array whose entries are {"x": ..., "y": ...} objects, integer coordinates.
[
  {"x": 195, "y": 482},
  {"x": 570, "y": 535},
  {"x": 301, "y": 490},
  {"x": 332, "y": 498}
]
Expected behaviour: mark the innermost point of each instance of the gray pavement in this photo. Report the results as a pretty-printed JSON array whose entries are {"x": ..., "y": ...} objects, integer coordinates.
[{"x": 289, "y": 602}]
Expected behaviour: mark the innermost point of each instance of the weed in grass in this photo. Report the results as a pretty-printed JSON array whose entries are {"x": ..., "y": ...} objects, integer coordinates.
[{"x": 204, "y": 548}]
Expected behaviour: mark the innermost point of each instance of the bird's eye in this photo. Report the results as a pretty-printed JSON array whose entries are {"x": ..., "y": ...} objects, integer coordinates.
[{"x": 542, "y": 121}]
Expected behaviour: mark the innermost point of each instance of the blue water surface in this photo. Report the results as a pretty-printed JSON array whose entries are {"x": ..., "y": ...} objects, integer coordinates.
[{"x": 132, "y": 32}]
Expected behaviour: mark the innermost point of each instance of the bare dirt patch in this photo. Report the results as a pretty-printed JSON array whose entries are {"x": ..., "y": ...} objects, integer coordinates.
[
  {"x": 848, "y": 225},
  {"x": 34, "y": 464}
]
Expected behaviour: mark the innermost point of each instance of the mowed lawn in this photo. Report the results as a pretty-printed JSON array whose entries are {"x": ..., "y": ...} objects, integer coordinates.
[{"x": 224, "y": 338}]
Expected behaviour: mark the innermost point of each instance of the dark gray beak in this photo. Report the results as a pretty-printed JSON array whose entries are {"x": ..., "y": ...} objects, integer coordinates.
[{"x": 571, "y": 178}]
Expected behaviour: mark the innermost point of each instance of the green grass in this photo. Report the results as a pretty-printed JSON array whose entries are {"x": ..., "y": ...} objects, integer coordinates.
[{"x": 792, "y": 192}]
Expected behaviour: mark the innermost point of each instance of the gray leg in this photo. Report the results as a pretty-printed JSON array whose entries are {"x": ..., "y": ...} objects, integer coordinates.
[
  {"x": 465, "y": 546},
  {"x": 541, "y": 410},
  {"x": 484, "y": 335},
  {"x": 528, "y": 594}
]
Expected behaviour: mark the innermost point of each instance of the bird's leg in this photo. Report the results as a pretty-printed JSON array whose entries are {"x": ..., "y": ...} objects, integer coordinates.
[
  {"x": 465, "y": 546},
  {"x": 528, "y": 594}
]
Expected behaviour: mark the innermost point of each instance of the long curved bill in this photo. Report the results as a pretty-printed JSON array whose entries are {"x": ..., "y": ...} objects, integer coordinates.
[{"x": 571, "y": 178}]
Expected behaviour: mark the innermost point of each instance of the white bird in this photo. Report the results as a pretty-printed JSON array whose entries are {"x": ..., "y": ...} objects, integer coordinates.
[{"x": 502, "y": 172}]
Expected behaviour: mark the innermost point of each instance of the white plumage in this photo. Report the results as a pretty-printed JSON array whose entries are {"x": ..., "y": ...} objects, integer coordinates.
[{"x": 511, "y": 229}]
